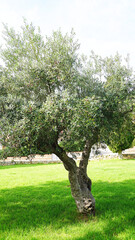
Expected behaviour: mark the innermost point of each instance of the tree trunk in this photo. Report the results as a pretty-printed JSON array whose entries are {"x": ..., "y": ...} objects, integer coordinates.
[
  {"x": 84, "y": 200},
  {"x": 81, "y": 192},
  {"x": 79, "y": 181}
]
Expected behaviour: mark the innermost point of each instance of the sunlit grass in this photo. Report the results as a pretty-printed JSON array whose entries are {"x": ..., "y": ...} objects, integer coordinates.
[{"x": 36, "y": 203}]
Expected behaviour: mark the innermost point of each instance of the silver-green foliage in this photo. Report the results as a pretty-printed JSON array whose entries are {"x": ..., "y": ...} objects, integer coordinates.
[{"x": 49, "y": 94}]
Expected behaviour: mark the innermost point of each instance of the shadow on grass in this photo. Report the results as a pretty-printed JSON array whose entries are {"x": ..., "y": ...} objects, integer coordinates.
[
  {"x": 23, "y": 207},
  {"x": 52, "y": 204}
]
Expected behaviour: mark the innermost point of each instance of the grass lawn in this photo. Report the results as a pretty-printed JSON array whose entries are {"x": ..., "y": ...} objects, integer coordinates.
[{"x": 36, "y": 203}]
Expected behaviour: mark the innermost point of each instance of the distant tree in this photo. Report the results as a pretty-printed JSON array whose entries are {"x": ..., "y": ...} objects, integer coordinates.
[
  {"x": 122, "y": 139},
  {"x": 133, "y": 143},
  {"x": 117, "y": 81},
  {"x": 53, "y": 101}
]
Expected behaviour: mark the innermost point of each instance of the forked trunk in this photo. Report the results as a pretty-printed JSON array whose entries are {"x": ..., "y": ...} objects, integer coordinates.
[{"x": 79, "y": 181}]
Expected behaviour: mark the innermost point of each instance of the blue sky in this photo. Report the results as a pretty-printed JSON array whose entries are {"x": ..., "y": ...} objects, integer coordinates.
[{"x": 105, "y": 26}]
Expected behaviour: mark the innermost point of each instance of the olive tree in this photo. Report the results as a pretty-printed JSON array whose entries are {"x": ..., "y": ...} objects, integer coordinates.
[{"x": 53, "y": 100}]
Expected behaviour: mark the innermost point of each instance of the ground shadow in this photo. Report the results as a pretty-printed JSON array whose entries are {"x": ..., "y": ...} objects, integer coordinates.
[
  {"x": 51, "y": 203},
  {"x": 23, "y": 207}
]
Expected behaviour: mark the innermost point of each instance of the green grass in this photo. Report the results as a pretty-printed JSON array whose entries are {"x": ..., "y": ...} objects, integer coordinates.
[{"x": 36, "y": 203}]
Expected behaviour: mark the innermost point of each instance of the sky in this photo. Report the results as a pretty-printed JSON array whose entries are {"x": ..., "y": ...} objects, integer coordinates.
[{"x": 104, "y": 26}]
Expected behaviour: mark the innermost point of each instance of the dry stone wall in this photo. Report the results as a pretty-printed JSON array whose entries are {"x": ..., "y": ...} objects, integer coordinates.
[{"x": 48, "y": 158}]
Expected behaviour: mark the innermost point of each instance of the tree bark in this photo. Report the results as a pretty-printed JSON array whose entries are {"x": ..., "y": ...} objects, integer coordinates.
[
  {"x": 81, "y": 192},
  {"x": 88, "y": 201},
  {"x": 79, "y": 181}
]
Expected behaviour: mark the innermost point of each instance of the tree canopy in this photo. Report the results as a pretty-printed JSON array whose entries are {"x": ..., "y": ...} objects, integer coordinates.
[{"x": 49, "y": 93}]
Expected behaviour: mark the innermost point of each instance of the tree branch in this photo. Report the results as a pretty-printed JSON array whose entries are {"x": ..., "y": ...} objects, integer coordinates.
[
  {"x": 128, "y": 111},
  {"x": 85, "y": 156},
  {"x": 86, "y": 152},
  {"x": 69, "y": 163}
]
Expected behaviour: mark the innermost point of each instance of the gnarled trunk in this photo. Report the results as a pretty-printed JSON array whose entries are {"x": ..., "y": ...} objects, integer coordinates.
[
  {"x": 79, "y": 181},
  {"x": 84, "y": 199},
  {"x": 81, "y": 192}
]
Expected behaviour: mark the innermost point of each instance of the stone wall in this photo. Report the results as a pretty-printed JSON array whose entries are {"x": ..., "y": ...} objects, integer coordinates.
[
  {"x": 47, "y": 158},
  {"x": 129, "y": 155},
  {"x": 52, "y": 158}
]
